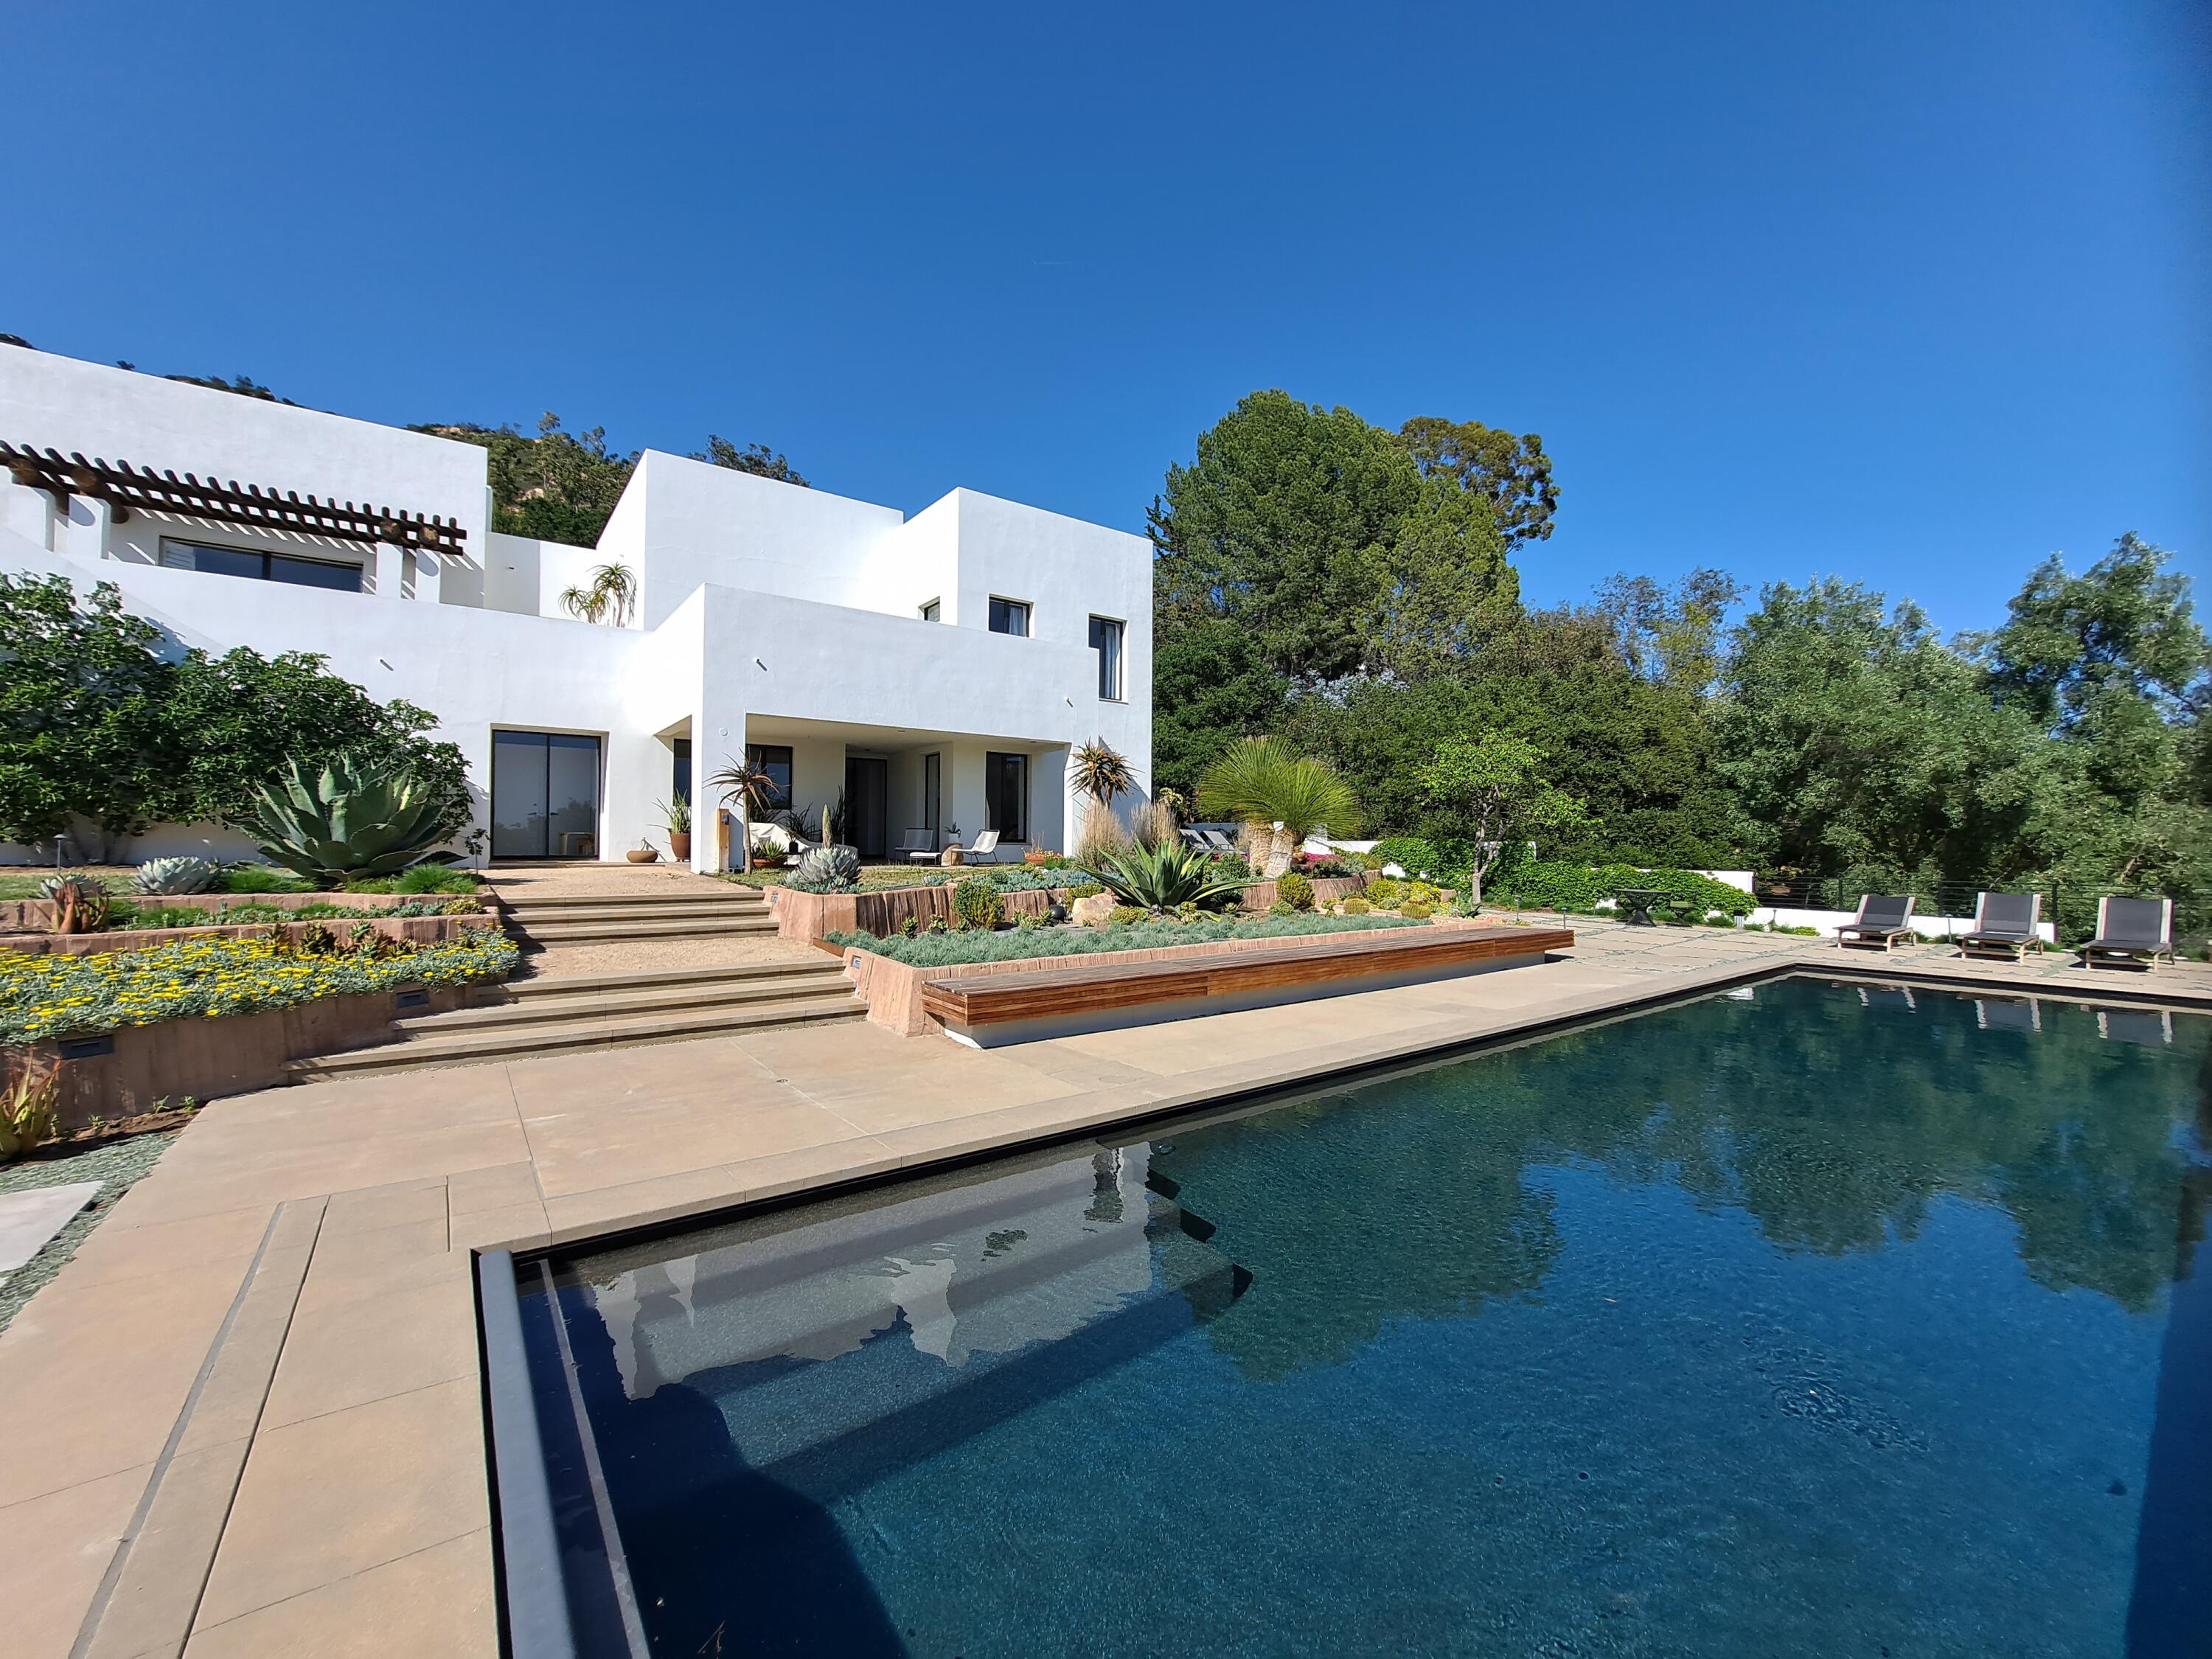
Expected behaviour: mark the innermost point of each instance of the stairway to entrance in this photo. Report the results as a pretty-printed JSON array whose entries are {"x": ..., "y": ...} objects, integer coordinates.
[
  {"x": 671, "y": 911},
  {"x": 537, "y": 1016}
]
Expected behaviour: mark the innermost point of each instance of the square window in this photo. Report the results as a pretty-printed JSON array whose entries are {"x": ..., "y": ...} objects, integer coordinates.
[
  {"x": 1010, "y": 617},
  {"x": 929, "y": 612}
]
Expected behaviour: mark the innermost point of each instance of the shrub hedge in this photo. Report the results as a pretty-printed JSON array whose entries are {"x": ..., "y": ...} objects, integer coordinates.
[{"x": 1556, "y": 885}]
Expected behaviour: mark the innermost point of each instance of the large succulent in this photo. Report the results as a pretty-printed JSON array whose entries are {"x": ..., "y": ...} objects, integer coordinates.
[
  {"x": 177, "y": 875},
  {"x": 826, "y": 870},
  {"x": 1163, "y": 877},
  {"x": 350, "y": 818}
]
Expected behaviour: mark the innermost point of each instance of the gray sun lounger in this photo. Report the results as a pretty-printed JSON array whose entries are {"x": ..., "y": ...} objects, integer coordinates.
[
  {"x": 1882, "y": 920},
  {"x": 2005, "y": 925},
  {"x": 2130, "y": 930}
]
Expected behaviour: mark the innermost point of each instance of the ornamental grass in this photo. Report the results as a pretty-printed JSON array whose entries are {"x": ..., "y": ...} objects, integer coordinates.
[{"x": 50, "y": 996}]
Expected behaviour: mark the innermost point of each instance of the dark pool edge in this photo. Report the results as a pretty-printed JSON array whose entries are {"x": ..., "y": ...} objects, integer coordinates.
[{"x": 530, "y": 1585}]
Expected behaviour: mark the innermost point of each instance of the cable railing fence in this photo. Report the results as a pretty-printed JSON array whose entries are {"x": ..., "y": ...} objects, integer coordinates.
[{"x": 2070, "y": 907}]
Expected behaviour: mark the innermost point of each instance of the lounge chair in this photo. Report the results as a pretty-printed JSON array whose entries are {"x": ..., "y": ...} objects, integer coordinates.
[
  {"x": 2005, "y": 925},
  {"x": 1216, "y": 842},
  {"x": 1881, "y": 919},
  {"x": 985, "y": 851},
  {"x": 919, "y": 845},
  {"x": 2132, "y": 930}
]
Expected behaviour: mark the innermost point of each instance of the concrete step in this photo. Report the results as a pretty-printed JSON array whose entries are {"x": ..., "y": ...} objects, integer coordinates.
[
  {"x": 827, "y": 980},
  {"x": 574, "y": 985},
  {"x": 681, "y": 897},
  {"x": 552, "y": 1037},
  {"x": 637, "y": 913},
  {"x": 586, "y": 932}
]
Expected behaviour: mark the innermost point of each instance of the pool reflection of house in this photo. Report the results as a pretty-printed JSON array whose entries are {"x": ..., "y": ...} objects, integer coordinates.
[{"x": 981, "y": 1269}]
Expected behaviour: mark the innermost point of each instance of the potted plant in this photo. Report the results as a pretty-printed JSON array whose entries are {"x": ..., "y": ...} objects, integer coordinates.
[
  {"x": 643, "y": 852},
  {"x": 769, "y": 855},
  {"x": 677, "y": 814},
  {"x": 1037, "y": 857}
]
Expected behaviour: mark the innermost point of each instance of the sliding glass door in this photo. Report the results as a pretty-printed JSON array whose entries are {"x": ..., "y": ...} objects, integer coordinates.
[{"x": 544, "y": 795}]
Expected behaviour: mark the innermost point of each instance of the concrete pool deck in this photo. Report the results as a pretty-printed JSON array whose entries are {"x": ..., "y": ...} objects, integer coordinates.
[{"x": 248, "y": 1413}]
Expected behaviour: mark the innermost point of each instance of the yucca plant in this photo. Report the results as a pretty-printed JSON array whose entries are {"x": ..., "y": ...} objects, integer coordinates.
[
  {"x": 177, "y": 875},
  {"x": 1163, "y": 877},
  {"x": 28, "y": 1110},
  {"x": 1284, "y": 797},
  {"x": 76, "y": 904},
  {"x": 348, "y": 820}
]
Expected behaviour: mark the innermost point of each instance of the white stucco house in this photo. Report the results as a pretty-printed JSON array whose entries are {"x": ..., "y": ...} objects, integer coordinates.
[{"x": 935, "y": 670}]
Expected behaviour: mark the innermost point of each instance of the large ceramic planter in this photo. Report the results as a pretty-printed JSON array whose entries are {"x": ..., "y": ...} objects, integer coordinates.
[
  {"x": 642, "y": 854},
  {"x": 679, "y": 845}
]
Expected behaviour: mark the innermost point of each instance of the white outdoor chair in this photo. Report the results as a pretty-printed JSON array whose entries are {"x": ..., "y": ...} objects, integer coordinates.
[
  {"x": 919, "y": 845},
  {"x": 985, "y": 851}
]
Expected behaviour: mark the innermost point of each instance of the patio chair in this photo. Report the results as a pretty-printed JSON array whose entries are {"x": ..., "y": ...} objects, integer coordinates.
[
  {"x": 919, "y": 845},
  {"x": 1882, "y": 920},
  {"x": 985, "y": 851},
  {"x": 2005, "y": 925},
  {"x": 2132, "y": 930},
  {"x": 1217, "y": 842}
]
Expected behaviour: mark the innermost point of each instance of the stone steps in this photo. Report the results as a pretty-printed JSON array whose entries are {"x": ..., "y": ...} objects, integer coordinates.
[
  {"x": 648, "y": 1000},
  {"x": 603, "y": 918}
]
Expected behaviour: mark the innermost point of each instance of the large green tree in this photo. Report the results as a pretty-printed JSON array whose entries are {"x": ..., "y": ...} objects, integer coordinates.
[
  {"x": 1512, "y": 474},
  {"x": 105, "y": 726},
  {"x": 1283, "y": 525},
  {"x": 1210, "y": 688}
]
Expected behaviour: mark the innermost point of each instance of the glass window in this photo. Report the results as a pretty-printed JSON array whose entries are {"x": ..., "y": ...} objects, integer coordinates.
[
  {"x": 1106, "y": 641},
  {"x": 682, "y": 782},
  {"x": 1010, "y": 617},
  {"x": 933, "y": 774},
  {"x": 265, "y": 567},
  {"x": 775, "y": 759},
  {"x": 1006, "y": 795},
  {"x": 929, "y": 611}
]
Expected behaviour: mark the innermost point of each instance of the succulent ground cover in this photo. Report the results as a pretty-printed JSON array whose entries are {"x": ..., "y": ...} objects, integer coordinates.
[{"x": 47, "y": 996}]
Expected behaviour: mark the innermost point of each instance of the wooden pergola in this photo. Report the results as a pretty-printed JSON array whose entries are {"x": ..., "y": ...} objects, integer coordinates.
[{"x": 127, "y": 489}]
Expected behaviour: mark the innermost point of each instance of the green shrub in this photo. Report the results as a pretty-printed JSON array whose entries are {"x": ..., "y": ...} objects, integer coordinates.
[
  {"x": 1084, "y": 890},
  {"x": 1162, "y": 877},
  {"x": 1123, "y": 915},
  {"x": 261, "y": 879},
  {"x": 1282, "y": 907},
  {"x": 1372, "y": 860},
  {"x": 976, "y": 904},
  {"x": 909, "y": 925},
  {"x": 1545, "y": 884},
  {"x": 422, "y": 879},
  {"x": 1295, "y": 891},
  {"x": 1414, "y": 910},
  {"x": 1386, "y": 891},
  {"x": 1357, "y": 906},
  {"x": 1030, "y": 920},
  {"x": 1411, "y": 854}
]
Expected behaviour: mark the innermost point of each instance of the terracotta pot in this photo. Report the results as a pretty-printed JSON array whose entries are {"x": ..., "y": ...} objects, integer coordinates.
[
  {"x": 679, "y": 845},
  {"x": 1035, "y": 858},
  {"x": 642, "y": 854}
]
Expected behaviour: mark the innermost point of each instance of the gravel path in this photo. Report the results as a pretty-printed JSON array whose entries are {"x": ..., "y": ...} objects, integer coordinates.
[{"x": 115, "y": 1165}]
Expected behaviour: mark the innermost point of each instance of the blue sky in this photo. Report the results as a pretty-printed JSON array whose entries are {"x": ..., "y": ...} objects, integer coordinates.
[{"x": 1914, "y": 293}]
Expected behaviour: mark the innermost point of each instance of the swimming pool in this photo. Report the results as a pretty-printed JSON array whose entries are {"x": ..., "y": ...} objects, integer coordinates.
[{"x": 1811, "y": 1319}]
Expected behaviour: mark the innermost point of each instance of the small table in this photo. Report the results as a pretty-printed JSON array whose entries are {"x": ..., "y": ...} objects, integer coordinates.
[{"x": 1636, "y": 902}]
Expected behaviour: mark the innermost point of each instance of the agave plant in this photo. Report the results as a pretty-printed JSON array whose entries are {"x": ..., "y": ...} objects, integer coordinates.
[
  {"x": 177, "y": 875},
  {"x": 827, "y": 870},
  {"x": 352, "y": 818},
  {"x": 1284, "y": 797},
  {"x": 1163, "y": 877}
]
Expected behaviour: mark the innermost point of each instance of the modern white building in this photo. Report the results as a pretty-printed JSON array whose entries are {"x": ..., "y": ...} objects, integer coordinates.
[{"x": 935, "y": 670}]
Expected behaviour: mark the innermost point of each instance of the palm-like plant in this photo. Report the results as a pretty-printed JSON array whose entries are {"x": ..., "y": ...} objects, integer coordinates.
[
  {"x": 1100, "y": 772},
  {"x": 1284, "y": 797},
  {"x": 351, "y": 817},
  {"x": 1162, "y": 877},
  {"x": 612, "y": 593},
  {"x": 750, "y": 789}
]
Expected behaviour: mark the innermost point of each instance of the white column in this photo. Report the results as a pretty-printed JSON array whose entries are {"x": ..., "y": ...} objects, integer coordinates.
[
  {"x": 89, "y": 519},
  {"x": 429, "y": 571},
  {"x": 390, "y": 564}
]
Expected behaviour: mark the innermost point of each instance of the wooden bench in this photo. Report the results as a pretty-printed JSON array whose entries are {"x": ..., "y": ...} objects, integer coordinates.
[{"x": 1014, "y": 1006}]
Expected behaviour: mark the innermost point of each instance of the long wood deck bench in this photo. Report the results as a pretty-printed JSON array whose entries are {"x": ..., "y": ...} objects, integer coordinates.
[{"x": 988, "y": 1009}]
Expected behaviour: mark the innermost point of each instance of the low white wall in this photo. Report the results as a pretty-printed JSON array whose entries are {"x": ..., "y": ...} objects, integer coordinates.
[{"x": 1927, "y": 926}]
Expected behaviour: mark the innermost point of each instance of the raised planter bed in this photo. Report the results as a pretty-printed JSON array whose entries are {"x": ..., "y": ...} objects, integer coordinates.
[
  {"x": 413, "y": 930},
  {"x": 1327, "y": 889},
  {"x": 816, "y": 915},
  {"x": 31, "y": 915},
  {"x": 129, "y": 1070},
  {"x": 1124, "y": 987}
]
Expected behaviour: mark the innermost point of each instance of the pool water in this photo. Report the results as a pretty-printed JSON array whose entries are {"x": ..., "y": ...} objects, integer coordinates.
[{"x": 1819, "y": 1319}]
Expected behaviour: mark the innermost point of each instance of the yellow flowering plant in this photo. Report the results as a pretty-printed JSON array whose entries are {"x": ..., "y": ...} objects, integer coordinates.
[{"x": 47, "y": 996}]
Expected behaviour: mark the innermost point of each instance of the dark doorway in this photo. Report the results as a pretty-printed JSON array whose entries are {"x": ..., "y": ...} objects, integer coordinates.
[
  {"x": 683, "y": 778},
  {"x": 867, "y": 805},
  {"x": 544, "y": 795}
]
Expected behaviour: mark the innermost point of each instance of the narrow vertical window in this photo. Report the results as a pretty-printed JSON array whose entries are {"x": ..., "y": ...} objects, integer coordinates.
[{"x": 1106, "y": 641}]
